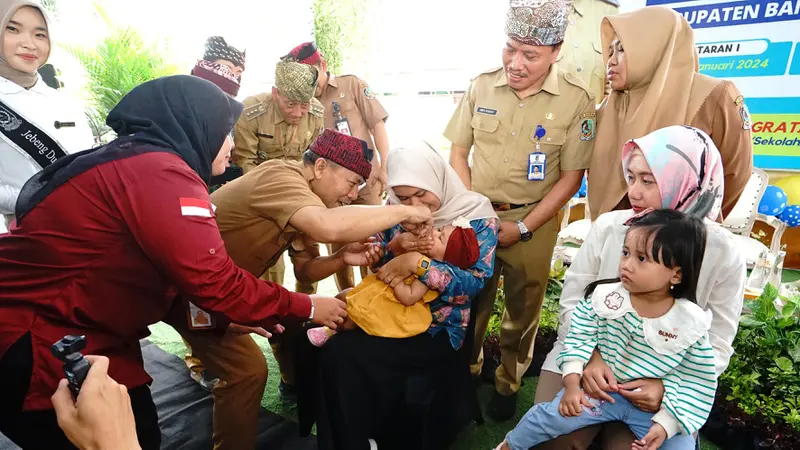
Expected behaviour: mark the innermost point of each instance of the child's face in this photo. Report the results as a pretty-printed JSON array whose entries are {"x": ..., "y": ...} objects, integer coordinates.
[
  {"x": 440, "y": 238},
  {"x": 639, "y": 272}
]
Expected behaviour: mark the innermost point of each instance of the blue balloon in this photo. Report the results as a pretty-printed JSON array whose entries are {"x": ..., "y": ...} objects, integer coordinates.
[
  {"x": 791, "y": 215},
  {"x": 773, "y": 202},
  {"x": 583, "y": 188}
]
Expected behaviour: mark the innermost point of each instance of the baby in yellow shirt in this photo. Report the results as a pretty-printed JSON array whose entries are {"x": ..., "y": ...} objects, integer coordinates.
[{"x": 403, "y": 311}]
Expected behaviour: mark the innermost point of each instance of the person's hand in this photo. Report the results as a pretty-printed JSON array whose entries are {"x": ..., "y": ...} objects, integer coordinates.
[
  {"x": 652, "y": 440},
  {"x": 572, "y": 402},
  {"x": 378, "y": 176},
  {"x": 410, "y": 242},
  {"x": 645, "y": 394},
  {"x": 328, "y": 311},
  {"x": 598, "y": 379},
  {"x": 508, "y": 234},
  {"x": 365, "y": 254},
  {"x": 102, "y": 416},
  {"x": 419, "y": 216},
  {"x": 400, "y": 268},
  {"x": 236, "y": 329}
]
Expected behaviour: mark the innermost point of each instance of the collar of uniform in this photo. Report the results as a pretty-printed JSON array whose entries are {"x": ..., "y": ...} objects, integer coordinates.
[
  {"x": 278, "y": 113},
  {"x": 332, "y": 80},
  {"x": 579, "y": 7},
  {"x": 550, "y": 83},
  {"x": 9, "y": 87}
]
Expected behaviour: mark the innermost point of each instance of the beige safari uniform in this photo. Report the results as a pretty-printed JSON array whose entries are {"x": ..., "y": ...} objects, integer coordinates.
[
  {"x": 363, "y": 111},
  {"x": 581, "y": 54},
  {"x": 253, "y": 214},
  {"x": 262, "y": 134},
  {"x": 501, "y": 128}
]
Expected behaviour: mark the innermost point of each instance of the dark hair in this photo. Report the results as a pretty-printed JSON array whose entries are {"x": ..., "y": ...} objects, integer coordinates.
[{"x": 679, "y": 240}]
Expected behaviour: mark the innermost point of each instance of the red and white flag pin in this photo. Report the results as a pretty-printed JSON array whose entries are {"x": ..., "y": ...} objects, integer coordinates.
[{"x": 196, "y": 207}]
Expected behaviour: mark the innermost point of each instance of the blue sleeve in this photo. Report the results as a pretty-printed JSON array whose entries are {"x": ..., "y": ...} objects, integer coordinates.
[
  {"x": 383, "y": 238},
  {"x": 452, "y": 282}
]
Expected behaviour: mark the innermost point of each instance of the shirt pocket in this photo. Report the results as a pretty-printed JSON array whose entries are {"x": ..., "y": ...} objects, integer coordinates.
[
  {"x": 550, "y": 145},
  {"x": 486, "y": 135},
  {"x": 269, "y": 147}
]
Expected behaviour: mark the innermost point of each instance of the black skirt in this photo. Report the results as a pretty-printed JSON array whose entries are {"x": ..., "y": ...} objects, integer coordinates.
[{"x": 404, "y": 393}]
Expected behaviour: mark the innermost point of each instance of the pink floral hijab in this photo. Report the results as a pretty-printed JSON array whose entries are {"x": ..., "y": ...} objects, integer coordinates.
[{"x": 685, "y": 163}]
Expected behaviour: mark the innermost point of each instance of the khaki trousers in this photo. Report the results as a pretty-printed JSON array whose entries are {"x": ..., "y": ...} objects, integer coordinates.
[
  {"x": 525, "y": 267},
  {"x": 242, "y": 369},
  {"x": 344, "y": 278},
  {"x": 613, "y": 435},
  {"x": 281, "y": 344}
]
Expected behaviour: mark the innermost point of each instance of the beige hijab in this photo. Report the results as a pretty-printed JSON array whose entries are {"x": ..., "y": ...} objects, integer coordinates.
[
  {"x": 664, "y": 88},
  {"x": 7, "y": 10},
  {"x": 420, "y": 166}
]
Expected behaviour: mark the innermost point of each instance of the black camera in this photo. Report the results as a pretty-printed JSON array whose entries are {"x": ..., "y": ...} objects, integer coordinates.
[{"x": 76, "y": 367}]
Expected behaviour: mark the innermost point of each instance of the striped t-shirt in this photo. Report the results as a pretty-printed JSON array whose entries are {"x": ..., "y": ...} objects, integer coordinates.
[{"x": 674, "y": 348}]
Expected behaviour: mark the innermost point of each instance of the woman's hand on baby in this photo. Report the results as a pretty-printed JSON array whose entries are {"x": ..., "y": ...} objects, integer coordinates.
[
  {"x": 652, "y": 440},
  {"x": 418, "y": 215},
  {"x": 645, "y": 393},
  {"x": 328, "y": 311},
  {"x": 598, "y": 379},
  {"x": 400, "y": 268},
  {"x": 410, "y": 242}
]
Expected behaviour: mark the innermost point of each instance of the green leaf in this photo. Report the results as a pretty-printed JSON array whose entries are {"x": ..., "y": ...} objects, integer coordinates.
[
  {"x": 794, "y": 352},
  {"x": 785, "y": 364},
  {"x": 788, "y": 309},
  {"x": 769, "y": 294},
  {"x": 750, "y": 322}
]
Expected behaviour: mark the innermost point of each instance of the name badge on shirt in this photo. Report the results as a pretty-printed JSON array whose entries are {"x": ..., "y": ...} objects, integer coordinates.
[
  {"x": 537, "y": 164},
  {"x": 487, "y": 111},
  {"x": 199, "y": 319}
]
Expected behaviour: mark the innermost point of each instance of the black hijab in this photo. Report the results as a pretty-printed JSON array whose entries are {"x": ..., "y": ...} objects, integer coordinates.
[{"x": 180, "y": 114}]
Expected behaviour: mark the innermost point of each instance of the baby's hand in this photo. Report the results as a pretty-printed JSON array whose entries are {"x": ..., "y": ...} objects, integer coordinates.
[
  {"x": 409, "y": 242},
  {"x": 572, "y": 402},
  {"x": 652, "y": 440}
]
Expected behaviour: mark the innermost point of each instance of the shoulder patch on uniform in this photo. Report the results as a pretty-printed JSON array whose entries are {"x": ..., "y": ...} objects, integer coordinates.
[
  {"x": 747, "y": 122},
  {"x": 316, "y": 108},
  {"x": 367, "y": 91},
  {"x": 251, "y": 112},
  {"x": 589, "y": 115},
  {"x": 587, "y": 129},
  {"x": 488, "y": 72},
  {"x": 739, "y": 100}
]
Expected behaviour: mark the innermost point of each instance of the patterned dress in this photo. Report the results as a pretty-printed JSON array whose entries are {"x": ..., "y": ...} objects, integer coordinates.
[{"x": 456, "y": 287}]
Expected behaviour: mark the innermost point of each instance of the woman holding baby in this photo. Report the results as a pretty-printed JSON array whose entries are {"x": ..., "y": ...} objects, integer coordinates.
[{"x": 379, "y": 381}]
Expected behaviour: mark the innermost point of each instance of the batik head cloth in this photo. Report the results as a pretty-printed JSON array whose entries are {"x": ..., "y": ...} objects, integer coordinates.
[
  {"x": 537, "y": 22},
  {"x": 296, "y": 81}
]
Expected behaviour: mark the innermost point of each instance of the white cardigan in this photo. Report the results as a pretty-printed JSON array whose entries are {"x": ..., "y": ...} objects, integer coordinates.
[{"x": 720, "y": 288}]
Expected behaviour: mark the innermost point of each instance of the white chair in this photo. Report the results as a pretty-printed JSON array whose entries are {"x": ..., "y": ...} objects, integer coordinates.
[
  {"x": 572, "y": 233},
  {"x": 741, "y": 219}
]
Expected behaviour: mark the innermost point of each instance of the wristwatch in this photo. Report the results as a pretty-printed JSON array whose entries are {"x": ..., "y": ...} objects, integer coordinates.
[
  {"x": 525, "y": 234},
  {"x": 423, "y": 265}
]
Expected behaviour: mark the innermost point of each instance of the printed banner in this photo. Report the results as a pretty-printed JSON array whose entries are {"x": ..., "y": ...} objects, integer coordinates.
[{"x": 753, "y": 43}]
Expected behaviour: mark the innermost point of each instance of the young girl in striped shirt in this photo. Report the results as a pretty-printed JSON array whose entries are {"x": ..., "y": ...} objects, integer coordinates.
[{"x": 645, "y": 324}]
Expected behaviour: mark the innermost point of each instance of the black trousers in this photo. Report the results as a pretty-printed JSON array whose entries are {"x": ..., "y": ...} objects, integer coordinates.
[{"x": 39, "y": 430}]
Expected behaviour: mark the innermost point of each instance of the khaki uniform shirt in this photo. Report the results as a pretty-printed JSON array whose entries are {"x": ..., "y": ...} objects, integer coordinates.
[
  {"x": 581, "y": 53},
  {"x": 262, "y": 134},
  {"x": 359, "y": 105},
  {"x": 501, "y": 127},
  {"x": 253, "y": 213}
]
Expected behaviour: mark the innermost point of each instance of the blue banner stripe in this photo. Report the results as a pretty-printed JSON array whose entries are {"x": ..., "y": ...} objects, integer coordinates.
[
  {"x": 776, "y": 162},
  {"x": 773, "y": 105}
]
